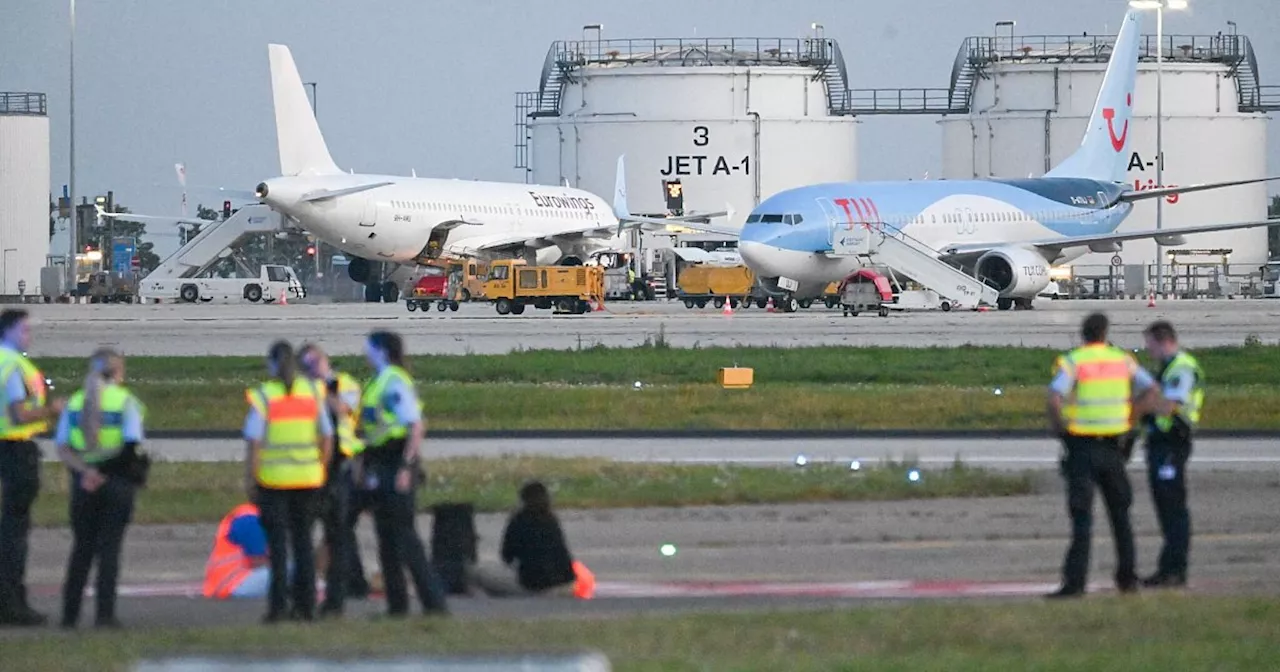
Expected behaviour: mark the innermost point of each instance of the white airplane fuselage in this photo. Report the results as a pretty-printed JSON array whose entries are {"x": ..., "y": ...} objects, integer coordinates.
[{"x": 394, "y": 223}]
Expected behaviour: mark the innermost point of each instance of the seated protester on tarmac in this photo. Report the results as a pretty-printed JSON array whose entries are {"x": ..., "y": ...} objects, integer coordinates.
[
  {"x": 238, "y": 566},
  {"x": 535, "y": 558}
]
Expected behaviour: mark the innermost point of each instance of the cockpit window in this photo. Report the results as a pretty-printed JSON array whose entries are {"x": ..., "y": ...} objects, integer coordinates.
[
  {"x": 752, "y": 219},
  {"x": 794, "y": 219},
  {"x": 771, "y": 219}
]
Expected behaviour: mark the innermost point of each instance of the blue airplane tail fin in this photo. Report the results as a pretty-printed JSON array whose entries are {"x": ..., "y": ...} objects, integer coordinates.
[{"x": 1104, "y": 152}]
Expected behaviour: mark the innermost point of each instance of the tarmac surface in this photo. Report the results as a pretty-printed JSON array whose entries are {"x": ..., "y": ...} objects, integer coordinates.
[
  {"x": 752, "y": 557},
  {"x": 246, "y": 329},
  {"x": 1223, "y": 454}
]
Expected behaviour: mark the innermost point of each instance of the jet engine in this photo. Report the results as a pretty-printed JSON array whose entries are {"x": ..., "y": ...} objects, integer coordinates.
[{"x": 1015, "y": 272}]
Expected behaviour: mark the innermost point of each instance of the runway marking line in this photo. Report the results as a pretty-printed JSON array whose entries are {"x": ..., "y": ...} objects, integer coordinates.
[{"x": 890, "y": 589}]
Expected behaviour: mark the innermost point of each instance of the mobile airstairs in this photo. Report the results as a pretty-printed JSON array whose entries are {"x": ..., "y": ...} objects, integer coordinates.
[
  {"x": 880, "y": 244},
  {"x": 210, "y": 246}
]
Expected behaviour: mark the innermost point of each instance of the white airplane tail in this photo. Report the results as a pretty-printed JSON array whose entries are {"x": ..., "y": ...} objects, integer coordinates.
[
  {"x": 1103, "y": 152},
  {"x": 620, "y": 190},
  {"x": 302, "y": 147}
]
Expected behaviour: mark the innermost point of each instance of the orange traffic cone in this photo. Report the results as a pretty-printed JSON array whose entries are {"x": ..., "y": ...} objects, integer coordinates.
[
  {"x": 284, "y": 299},
  {"x": 599, "y": 304},
  {"x": 1151, "y": 301},
  {"x": 728, "y": 306},
  {"x": 768, "y": 307}
]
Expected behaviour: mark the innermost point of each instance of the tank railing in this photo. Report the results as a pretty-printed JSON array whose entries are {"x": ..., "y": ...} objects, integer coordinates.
[
  {"x": 1228, "y": 49},
  {"x": 695, "y": 51},
  {"x": 1267, "y": 99},
  {"x": 23, "y": 103},
  {"x": 900, "y": 101}
]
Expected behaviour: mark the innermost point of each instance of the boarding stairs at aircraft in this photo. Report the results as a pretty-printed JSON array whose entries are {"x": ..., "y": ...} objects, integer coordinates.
[
  {"x": 215, "y": 238},
  {"x": 880, "y": 244}
]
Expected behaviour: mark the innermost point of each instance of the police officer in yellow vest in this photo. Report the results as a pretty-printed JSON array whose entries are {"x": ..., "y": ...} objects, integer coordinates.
[
  {"x": 289, "y": 439},
  {"x": 1169, "y": 436},
  {"x": 97, "y": 438},
  {"x": 1092, "y": 407},
  {"x": 392, "y": 424},
  {"x": 25, "y": 413},
  {"x": 342, "y": 400}
]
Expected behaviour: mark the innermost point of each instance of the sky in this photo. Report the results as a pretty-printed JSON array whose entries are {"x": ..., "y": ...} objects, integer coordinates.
[{"x": 429, "y": 86}]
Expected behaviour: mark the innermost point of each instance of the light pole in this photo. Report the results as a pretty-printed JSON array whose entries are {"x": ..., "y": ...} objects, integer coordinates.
[
  {"x": 1159, "y": 6},
  {"x": 314, "y": 97},
  {"x": 74, "y": 245}
]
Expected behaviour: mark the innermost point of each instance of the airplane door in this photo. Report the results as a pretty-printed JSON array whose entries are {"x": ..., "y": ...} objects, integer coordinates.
[
  {"x": 843, "y": 234},
  {"x": 370, "y": 216}
]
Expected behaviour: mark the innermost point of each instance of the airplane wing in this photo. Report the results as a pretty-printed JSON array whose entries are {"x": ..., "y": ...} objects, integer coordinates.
[
  {"x": 1055, "y": 245},
  {"x": 1131, "y": 196},
  {"x": 133, "y": 217},
  {"x": 322, "y": 194}
]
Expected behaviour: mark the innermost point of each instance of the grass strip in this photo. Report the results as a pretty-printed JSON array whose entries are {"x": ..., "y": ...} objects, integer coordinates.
[
  {"x": 967, "y": 366},
  {"x": 810, "y": 388},
  {"x": 204, "y": 492},
  {"x": 1155, "y": 633},
  {"x": 511, "y": 406}
]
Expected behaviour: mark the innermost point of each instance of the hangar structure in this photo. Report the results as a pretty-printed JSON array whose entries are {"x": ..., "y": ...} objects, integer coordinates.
[{"x": 736, "y": 120}]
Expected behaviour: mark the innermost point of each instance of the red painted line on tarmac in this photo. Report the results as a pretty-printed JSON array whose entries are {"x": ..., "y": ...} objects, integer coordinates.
[{"x": 607, "y": 589}]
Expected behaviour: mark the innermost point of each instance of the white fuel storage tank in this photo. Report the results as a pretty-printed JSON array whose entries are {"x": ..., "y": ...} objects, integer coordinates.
[
  {"x": 24, "y": 191},
  {"x": 735, "y": 120},
  {"x": 1030, "y": 98}
]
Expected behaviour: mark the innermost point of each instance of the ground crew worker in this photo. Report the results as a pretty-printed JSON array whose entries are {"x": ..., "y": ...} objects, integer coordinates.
[
  {"x": 25, "y": 412},
  {"x": 1091, "y": 407},
  {"x": 392, "y": 424},
  {"x": 97, "y": 438},
  {"x": 342, "y": 400},
  {"x": 289, "y": 440},
  {"x": 1169, "y": 437}
]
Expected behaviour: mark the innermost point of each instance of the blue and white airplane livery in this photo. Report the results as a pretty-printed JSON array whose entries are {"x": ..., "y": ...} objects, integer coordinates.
[{"x": 1006, "y": 232}]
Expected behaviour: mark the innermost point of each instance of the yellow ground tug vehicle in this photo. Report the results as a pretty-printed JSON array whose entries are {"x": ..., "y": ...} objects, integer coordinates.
[
  {"x": 512, "y": 285},
  {"x": 699, "y": 285}
]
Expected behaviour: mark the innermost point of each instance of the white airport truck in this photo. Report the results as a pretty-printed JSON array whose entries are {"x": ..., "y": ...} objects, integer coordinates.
[{"x": 188, "y": 275}]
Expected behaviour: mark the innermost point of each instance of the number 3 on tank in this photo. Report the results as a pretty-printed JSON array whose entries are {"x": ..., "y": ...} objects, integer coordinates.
[{"x": 700, "y": 138}]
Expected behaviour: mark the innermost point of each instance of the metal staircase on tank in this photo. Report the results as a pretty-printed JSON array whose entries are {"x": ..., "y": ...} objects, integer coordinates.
[{"x": 880, "y": 244}]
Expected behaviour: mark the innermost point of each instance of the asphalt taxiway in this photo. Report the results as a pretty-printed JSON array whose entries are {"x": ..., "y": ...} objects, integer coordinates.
[
  {"x": 1016, "y": 453},
  {"x": 767, "y": 556},
  {"x": 247, "y": 329}
]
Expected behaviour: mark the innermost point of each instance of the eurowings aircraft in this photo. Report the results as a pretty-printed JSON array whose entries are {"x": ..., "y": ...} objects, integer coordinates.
[
  {"x": 410, "y": 220},
  {"x": 990, "y": 241}
]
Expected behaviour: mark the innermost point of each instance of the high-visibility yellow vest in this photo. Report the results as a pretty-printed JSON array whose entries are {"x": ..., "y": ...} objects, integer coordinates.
[
  {"x": 345, "y": 427},
  {"x": 378, "y": 420},
  {"x": 290, "y": 458},
  {"x": 1183, "y": 364},
  {"x": 115, "y": 400},
  {"x": 36, "y": 396},
  {"x": 1101, "y": 402}
]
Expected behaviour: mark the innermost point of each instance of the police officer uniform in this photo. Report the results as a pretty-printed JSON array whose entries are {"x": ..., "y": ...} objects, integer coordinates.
[
  {"x": 290, "y": 423},
  {"x": 99, "y": 518},
  {"x": 336, "y": 514},
  {"x": 389, "y": 408},
  {"x": 21, "y": 383},
  {"x": 1097, "y": 382},
  {"x": 1169, "y": 439}
]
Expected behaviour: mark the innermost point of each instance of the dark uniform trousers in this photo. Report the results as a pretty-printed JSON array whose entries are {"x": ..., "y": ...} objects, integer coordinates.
[
  {"x": 1090, "y": 462},
  {"x": 398, "y": 540},
  {"x": 361, "y": 500},
  {"x": 287, "y": 518},
  {"x": 19, "y": 485},
  {"x": 339, "y": 535},
  {"x": 1167, "y": 457},
  {"x": 98, "y": 523}
]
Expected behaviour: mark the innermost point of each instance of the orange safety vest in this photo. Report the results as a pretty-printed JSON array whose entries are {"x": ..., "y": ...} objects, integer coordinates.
[
  {"x": 584, "y": 585},
  {"x": 228, "y": 566}
]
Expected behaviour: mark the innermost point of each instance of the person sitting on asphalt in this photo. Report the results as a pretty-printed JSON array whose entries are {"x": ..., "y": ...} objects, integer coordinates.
[
  {"x": 535, "y": 557},
  {"x": 238, "y": 566}
]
